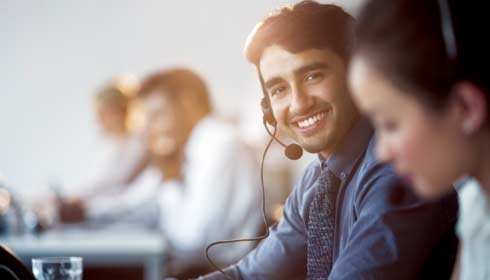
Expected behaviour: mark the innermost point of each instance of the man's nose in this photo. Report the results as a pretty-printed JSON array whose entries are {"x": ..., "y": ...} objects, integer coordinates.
[{"x": 301, "y": 101}]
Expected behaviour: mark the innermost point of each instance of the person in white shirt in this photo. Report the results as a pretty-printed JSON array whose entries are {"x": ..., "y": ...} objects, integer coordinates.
[
  {"x": 210, "y": 183},
  {"x": 120, "y": 182}
]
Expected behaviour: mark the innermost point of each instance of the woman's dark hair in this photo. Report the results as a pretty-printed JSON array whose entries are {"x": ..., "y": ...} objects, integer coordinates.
[
  {"x": 404, "y": 40},
  {"x": 303, "y": 26}
]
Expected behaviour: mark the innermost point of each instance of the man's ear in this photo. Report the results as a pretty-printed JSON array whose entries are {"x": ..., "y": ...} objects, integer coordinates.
[{"x": 471, "y": 104}]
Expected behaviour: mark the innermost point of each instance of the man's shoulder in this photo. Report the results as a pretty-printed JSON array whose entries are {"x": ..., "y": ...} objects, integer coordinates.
[
  {"x": 370, "y": 167},
  {"x": 374, "y": 178}
]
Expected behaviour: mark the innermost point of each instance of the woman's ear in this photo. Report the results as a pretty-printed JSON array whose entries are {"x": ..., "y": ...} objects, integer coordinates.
[{"x": 471, "y": 104}]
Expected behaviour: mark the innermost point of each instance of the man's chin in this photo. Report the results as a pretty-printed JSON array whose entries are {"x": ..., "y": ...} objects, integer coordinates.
[
  {"x": 312, "y": 147},
  {"x": 313, "y": 143}
]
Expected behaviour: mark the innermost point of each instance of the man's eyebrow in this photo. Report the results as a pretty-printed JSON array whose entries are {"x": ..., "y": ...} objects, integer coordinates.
[
  {"x": 301, "y": 70},
  {"x": 310, "y": 67},
  {"x": 272, "y": 82}
]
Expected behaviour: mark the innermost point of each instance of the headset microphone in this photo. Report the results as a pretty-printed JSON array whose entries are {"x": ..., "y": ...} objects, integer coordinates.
[{"x": 292, "y": 151}]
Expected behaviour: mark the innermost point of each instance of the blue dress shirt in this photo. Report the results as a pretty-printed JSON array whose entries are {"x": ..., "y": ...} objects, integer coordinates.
[{"x": 379, "y": 234}]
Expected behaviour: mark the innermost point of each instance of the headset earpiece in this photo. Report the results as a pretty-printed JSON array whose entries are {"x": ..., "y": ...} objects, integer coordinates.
[{"x": 267, "y": 112}]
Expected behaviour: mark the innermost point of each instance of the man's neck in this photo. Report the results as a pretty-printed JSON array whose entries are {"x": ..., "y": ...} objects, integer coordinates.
[{"x": 340, "y": 139}]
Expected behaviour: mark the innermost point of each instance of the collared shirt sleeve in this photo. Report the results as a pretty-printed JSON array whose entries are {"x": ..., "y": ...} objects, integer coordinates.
[{"x": 390, "y": 240}]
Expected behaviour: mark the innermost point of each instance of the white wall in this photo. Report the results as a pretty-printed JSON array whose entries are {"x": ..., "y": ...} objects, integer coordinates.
[{"x": 54, "y": 54}]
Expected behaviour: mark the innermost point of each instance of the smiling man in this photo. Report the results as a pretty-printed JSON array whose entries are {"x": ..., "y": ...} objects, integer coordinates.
[
  {"x": 307, "y": 92},
  {"x": 342, "y": 220}
]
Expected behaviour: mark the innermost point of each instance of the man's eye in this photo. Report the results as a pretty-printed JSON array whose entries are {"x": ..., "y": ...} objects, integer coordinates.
[
  {"x": 277, "y": 91},
  {"x": 315, "y": 76}
]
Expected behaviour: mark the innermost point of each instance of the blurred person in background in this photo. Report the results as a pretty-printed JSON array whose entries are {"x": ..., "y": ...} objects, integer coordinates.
[
  {"x": 120, "y": 183},
  {"x": 14, "y": 219},
  {"x": 420, "y": 73},
  {"x": 210, "y": 182},
  {"x": 340, "y": 221}
]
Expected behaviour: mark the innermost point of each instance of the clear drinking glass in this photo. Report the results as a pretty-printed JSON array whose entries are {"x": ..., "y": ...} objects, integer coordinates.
[{"x": 57, "y": 268}]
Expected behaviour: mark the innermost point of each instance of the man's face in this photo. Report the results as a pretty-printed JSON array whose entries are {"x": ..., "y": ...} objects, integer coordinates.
[{"x": 308, "y": 95}]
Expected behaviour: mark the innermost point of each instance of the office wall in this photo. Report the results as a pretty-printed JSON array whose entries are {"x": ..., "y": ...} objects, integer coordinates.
[{"x": 54, "y": 54}]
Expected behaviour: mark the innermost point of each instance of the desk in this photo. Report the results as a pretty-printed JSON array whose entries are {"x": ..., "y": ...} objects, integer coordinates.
[{"x": 97, "y": 247}]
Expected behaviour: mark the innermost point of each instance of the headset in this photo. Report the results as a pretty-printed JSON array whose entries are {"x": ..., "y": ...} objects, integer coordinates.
[
  {"x": 292, "y": 151},
  {"x": 447, "y": 27}
]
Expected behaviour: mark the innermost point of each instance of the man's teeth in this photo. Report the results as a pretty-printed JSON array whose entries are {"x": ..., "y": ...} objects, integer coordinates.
[{"x": 311, "y": 120}]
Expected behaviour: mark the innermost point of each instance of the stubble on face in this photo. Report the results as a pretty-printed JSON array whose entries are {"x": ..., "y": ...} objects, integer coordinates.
[{"x": 314, "y": 108}]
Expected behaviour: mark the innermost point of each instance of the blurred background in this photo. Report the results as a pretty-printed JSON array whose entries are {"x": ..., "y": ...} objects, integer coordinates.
[{"x": 54, "y": 55}]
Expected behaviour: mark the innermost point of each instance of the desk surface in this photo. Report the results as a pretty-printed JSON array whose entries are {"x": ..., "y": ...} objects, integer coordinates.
[
  {"x": 97, "y": 247},
  {"x": 88, "y": 242}
]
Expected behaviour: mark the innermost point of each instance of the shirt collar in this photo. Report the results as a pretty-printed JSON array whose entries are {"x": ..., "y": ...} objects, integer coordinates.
[{"x": 342, "y": 160}]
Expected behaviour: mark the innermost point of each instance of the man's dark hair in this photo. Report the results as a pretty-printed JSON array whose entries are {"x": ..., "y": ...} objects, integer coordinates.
[
  {"x": 178, "y": 81},
  {"x": 305, "y": 25}
]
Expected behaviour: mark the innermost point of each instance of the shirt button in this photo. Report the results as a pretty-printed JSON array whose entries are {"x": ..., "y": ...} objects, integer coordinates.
[{"x": 342, "y": 175}]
